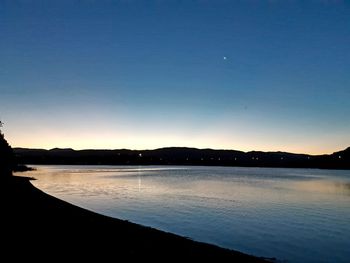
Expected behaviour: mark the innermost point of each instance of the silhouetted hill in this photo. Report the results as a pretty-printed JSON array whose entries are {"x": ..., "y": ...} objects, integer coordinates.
[
  {"x": 7, "y": 161},
  {"x": 6, "y": 157},
  {"x": 183, "y": 156},
  {"x": 344, "y": 154}
]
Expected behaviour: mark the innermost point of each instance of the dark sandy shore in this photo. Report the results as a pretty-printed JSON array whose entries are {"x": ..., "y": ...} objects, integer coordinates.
[{"x": 36, "y": 225}]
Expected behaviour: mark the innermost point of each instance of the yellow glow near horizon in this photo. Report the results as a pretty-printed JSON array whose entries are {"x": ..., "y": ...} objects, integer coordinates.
[
  {"x": 140, "y": 142},
  {"x": 99, "y": 132}
]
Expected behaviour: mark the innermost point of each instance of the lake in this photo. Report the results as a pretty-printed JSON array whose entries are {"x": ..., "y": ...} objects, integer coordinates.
[{"x": 295, "y": 215}]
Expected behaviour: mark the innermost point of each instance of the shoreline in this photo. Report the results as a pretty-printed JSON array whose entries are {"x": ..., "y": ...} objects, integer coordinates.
[
  {"x": 40, "y": 221},
  {"x": 184, "y": 156}
]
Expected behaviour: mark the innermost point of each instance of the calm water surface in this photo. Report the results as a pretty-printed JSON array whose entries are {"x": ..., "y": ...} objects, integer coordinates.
[{"x": 295, "y": 215}]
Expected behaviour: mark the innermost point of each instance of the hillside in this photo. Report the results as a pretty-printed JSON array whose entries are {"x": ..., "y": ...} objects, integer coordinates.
[{"x": 183, "y": 156}]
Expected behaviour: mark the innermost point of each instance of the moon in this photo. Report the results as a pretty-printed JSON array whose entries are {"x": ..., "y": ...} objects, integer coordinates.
[{"x": 224, "y": 58}]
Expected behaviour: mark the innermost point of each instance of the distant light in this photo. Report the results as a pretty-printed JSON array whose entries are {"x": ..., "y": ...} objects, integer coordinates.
[
  {"x": 140, "y": 154},
  {"x": 339, "y": 157}
]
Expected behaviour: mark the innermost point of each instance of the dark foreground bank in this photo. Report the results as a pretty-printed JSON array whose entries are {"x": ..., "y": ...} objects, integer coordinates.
[{"x": 39, "y": 226}]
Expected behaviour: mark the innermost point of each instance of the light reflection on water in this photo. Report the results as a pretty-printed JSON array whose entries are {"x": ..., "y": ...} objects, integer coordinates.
[{"x": 298, "y": 215}]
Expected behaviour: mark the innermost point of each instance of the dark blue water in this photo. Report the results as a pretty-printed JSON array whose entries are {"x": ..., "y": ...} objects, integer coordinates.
[{"x": 297, "y": 215}]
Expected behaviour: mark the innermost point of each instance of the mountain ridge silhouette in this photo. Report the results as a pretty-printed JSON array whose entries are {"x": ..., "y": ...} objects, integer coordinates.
[{"x": 183, "y": 156}]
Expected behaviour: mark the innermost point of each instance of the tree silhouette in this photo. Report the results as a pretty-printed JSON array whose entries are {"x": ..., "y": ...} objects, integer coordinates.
[{"x": 6, "y": 156}]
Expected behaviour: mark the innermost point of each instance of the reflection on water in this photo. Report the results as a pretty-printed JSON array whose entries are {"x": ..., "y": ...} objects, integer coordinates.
[
  {"x": 324, "y": 186},
  {"x": 298, "y": 215}
]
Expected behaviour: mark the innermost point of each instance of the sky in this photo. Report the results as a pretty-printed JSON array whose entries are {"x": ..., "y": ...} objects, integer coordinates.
[{"x": 244, "y": 75}]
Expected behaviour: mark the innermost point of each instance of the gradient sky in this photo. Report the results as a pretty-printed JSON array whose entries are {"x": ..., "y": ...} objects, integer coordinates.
[{"x": 246, "y": 75}]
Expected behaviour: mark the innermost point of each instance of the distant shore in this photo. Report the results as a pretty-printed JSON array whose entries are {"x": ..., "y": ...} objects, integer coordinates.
[
  {"x": 183, "y": 156},
  {"x": 39, "y": 223}
]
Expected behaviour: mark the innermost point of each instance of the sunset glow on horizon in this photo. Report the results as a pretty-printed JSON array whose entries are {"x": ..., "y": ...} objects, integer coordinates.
[{"x": 265, "y": 76}]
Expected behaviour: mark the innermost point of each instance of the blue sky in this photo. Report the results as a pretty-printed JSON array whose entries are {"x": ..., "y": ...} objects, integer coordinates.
[{"x": 262, "y": 75}]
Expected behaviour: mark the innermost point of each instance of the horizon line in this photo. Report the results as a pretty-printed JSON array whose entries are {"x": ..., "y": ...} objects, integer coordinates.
[{"x": 116, "y": 149}]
